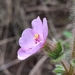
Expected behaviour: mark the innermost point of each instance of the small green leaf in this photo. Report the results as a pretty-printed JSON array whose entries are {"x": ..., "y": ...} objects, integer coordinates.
[
  {"x": 59, "y": 58},
  {"x": 59, "y": 66},
  {"x": 67, "y": 34},
  {"x": 57, "y": 52},
  {"x": 59, "y": 69},
  {"x": 58, "y": 48}
]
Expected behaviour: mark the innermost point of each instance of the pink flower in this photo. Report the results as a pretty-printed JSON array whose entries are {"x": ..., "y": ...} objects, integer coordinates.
[{"x": 33, "y": 39}]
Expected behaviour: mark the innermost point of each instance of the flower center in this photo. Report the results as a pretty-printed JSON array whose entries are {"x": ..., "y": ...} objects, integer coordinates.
[{"x": 37, "y": 38}]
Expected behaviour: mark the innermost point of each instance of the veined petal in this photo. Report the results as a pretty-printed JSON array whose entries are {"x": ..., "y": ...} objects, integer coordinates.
[
  {"x": 27, "y": 39},
  {"x": 45, "y": 28},
  {"x": 37, "y": 26},
  {"x": 23, "y": 54}
]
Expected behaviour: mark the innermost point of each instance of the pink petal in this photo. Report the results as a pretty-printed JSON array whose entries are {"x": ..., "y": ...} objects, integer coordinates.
[
  {"x": 45, "y": 28},
  {"x": 27, "y": 39},
  {"x": 23, "y": 54},
  {"x": 38, "y": 26},
  {"x": 36, "y": 48}
]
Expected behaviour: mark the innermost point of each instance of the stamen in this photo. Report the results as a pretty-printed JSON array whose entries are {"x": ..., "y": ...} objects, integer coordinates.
[{"x": 37, "y": 38}]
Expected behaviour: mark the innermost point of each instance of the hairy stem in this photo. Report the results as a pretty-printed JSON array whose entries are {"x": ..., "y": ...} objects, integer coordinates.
[
  {"x": 71, "y": 70},
  {"x": 65, "y": 65}
]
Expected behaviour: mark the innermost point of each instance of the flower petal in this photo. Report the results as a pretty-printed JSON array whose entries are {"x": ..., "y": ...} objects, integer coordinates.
[
  {"x": 45, "y": 28},
  {"x": 38, "y": 26},
  {"x": 27, "y": 39},
  {"x": 23, "y": 54},
  {"x": 36, "y": 48}
]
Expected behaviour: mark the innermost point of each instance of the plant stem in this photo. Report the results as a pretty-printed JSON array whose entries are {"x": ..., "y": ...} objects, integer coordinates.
[
  {"x": 73, "y": 52},
  {"x": 71, "y": 70},
  {"x": 65, "y": 66}
]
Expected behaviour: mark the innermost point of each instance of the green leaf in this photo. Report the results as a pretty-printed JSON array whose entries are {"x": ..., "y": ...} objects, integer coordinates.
[
  {"x": 59, "y": 69},
  {"x": 67, "y": 34},
  {"x": 57, "y": 52},
  {"x": 58, "y": 48},
  {"x": 59, "y": 66},
  {"x": 59, "y": 58}
]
